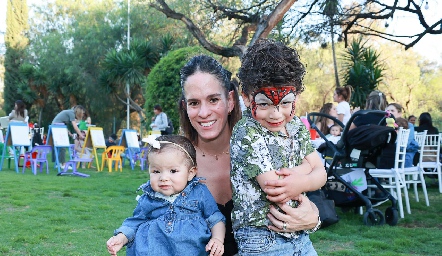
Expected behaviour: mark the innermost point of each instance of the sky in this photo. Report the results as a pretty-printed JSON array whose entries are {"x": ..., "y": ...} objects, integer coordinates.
[{"x": 430, "y": 46}]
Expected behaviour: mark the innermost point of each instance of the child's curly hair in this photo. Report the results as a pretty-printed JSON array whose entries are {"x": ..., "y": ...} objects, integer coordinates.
[{"x": 270, "y": 63}]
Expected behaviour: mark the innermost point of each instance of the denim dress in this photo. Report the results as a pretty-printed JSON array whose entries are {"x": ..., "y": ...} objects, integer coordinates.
[{"x": 159, "y": 227}]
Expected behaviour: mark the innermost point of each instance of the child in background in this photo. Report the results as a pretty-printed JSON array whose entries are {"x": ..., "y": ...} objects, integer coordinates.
[
  {"x": 176, "y": 215},
  {"x": 78, "y": 146},
  {"x": 335, "y": 133},
  {"x": 342, "y": 96},
  {"x": 269, "y": 137}
]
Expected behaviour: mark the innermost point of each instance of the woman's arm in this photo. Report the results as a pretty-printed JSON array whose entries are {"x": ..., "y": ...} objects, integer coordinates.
[{"x": 77, "y": 130}]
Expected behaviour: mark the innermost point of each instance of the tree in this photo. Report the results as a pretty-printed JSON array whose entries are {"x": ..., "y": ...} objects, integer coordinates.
[
  {"x": 16, "y": 43},
  {"x": 362, "y": 70},
  {"x": 250, "y": 20},
  {"x": 163, "y": 83}
]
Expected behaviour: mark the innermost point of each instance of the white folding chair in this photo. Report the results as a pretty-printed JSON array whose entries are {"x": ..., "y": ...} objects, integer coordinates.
[
  {"x": 395, "y": 175},
  {"x": 430, "y": 157},
  {"x": 415, "y": 175}
]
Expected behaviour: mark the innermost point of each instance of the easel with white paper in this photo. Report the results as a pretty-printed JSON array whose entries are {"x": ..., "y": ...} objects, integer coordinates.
[
  {"x": 58, "y": 137},
  {"x": 95, "y": 140},
  {"x": 17, "y": 136},
  {"x": 129, "y": 139}
]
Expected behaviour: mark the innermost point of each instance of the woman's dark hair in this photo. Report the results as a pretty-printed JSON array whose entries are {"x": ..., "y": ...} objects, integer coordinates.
[
  {"x": 270, "y": 63},
  {"x": 20, "y": 110},
  {"x": 158, "y": 107},
  {"x": 345, "y": 92},
  {"x": 425, "y": 119},
  {"x": 182, "y": 141},
  {"x": 208, "y": 65},
  {"x": 323, "y": 120}
]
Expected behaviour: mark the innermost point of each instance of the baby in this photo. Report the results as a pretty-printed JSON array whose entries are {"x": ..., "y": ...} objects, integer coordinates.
[{"x": 335, "y": 133}]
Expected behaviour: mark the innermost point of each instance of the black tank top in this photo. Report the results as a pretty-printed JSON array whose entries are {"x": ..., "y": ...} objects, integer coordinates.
[{"x": 230, "y": 246}]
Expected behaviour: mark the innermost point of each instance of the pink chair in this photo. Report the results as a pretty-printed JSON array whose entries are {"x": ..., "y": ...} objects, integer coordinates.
[{"x": 41, "y": 158}]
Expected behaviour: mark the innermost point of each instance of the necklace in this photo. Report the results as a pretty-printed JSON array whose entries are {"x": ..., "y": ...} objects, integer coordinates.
[{"x": 216, "y": 156}]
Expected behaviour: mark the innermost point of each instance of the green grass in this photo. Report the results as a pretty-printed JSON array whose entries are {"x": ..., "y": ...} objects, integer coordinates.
[{"x": 68, "y": 215}]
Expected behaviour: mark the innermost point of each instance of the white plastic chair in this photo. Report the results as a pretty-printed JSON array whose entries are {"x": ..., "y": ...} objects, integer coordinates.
[
  {"x": 430, "y": 157},
  {"x": 395, "y": 175},
  {"x": 415, "y": 175}
]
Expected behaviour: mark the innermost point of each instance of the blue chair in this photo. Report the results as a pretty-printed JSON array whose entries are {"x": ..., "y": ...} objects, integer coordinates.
[{"x": 41, "y": 157}]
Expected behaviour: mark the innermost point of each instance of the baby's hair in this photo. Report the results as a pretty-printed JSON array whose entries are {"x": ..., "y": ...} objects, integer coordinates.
[
  {"x": 344, "y": 91},
  {"x": 270, "y": 63},
  {"x": 401, "y": 122},
  {"x": 176, "y": 142},
  {"x": 336, "y": 125}
]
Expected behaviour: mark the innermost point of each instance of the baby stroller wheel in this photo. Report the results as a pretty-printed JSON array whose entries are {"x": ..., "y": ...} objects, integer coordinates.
[
  {"x": 374, "y": 217},
  {"x": 391, "y": 216}
]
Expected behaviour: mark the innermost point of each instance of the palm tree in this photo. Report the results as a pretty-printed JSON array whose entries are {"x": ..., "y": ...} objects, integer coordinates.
[
  {"x": 362, "y": 70},
  {"x": 330, "y": 8}
]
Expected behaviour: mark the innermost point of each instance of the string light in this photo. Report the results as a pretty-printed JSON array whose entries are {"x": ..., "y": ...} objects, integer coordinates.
[{"x": 426, "y": 5}]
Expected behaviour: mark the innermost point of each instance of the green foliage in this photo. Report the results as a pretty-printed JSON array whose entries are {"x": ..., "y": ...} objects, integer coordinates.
[
  {"x": 362, "y": 70},
  {"x": 16, "y": 42},
  {"x": 163, "y": 83}
]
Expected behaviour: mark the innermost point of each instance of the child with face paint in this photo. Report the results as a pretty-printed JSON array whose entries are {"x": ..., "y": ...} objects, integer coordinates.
[{"x": 270, "y": 138}]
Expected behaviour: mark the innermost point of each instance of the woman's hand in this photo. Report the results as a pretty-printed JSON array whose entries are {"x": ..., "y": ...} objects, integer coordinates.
[{"x": 296, "y": 219}]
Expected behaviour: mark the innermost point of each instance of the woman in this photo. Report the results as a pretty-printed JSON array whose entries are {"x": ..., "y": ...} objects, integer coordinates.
[
  {"x": 342, "y": 96},
  {"x": 159, "y": 121},
  {"x": 426, "y": 123},
  {"x": 19, "y": 113},
  {"x": 324, "y": 123},
  {"x": 69, "y": 116},
  {"x": 412, "y": 146},
  {"x": 376, "y": 100},
  {"x": 208, "y": 111}
]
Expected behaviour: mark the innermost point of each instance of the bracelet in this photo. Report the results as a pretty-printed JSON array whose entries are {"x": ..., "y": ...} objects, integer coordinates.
[{"x": 318, "y": 225}]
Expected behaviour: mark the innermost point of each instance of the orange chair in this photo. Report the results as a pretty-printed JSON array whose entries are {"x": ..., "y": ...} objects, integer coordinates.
[{"x": 112, "y": 154}]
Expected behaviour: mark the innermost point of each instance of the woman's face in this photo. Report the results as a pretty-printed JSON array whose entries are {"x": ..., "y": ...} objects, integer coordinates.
[
  {"x": 333, "y": 111},
  {"x": 393, "y": 111},
  {"x": 207, "y": 106}
]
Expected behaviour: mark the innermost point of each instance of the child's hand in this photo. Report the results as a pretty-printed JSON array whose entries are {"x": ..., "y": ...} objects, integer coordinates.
[
  {"x": 115, "y": 243},
  {"x": 215, "y": 246}
]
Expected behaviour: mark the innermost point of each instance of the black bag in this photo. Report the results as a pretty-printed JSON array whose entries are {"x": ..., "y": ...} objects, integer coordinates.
[
  {"x": 326, "y": 207},
  {"x": 169, "y": 129}
]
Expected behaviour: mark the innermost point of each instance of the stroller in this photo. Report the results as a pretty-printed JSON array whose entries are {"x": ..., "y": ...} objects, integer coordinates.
[{"x": 365, "y": 147}]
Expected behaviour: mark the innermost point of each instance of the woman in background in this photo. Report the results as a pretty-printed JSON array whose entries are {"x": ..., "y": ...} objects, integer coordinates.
[
  {"x": 19, "y": 113},
  {"x": 426, "y": 123},
  {"x": 342, "y": 96},
  {"x": 324, "y": 123}
]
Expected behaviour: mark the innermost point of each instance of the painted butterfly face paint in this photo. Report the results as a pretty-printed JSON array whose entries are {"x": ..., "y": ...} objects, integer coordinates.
[{"x": 267, "y": 97}]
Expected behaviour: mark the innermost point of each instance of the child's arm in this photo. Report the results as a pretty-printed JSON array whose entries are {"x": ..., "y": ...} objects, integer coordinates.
[
  {"x": 216, "y": 243},
  {"x": 115, "y": 243},
  {"x": 308, "y": 176}
]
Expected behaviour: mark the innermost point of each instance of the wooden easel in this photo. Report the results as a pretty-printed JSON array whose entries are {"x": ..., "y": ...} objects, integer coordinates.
[
  {"x": 58, "y": 137},
  {"x": 95, "y": 140},
  {"x": 129, "y": 140}
]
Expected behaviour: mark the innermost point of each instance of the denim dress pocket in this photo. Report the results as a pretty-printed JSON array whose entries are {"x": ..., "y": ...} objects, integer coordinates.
[{"x": 254, "y": 240}]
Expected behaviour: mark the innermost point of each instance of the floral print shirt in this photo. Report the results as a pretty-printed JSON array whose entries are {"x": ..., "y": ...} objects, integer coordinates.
[{"x": 255, "y": 150}]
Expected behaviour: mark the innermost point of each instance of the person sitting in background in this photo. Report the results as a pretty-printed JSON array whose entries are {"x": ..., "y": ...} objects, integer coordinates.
[
  {"x": 335, "y": 133},
  {"x": 19, "y": 113},
  {"x": 426, "y": 123},
  {"x": 78, "y": 146},
  {"x": 324, "y": 123},
  {"x": 412, "y": 120},
  {"x": 111, "y": 141},
  {"x": 412, "y": 146}
]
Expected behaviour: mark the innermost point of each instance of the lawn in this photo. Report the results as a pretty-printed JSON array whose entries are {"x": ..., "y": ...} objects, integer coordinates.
[{"x": 69, "y": 215}]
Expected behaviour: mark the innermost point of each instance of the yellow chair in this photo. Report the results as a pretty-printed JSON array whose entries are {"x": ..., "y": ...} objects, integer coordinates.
[
  {"x": 112, "y": 154},
  {"x": 154, "y": 132}
]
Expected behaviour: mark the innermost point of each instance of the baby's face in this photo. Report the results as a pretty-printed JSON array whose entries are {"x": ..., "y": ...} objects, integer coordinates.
[{"x": 335, "y": 131}]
